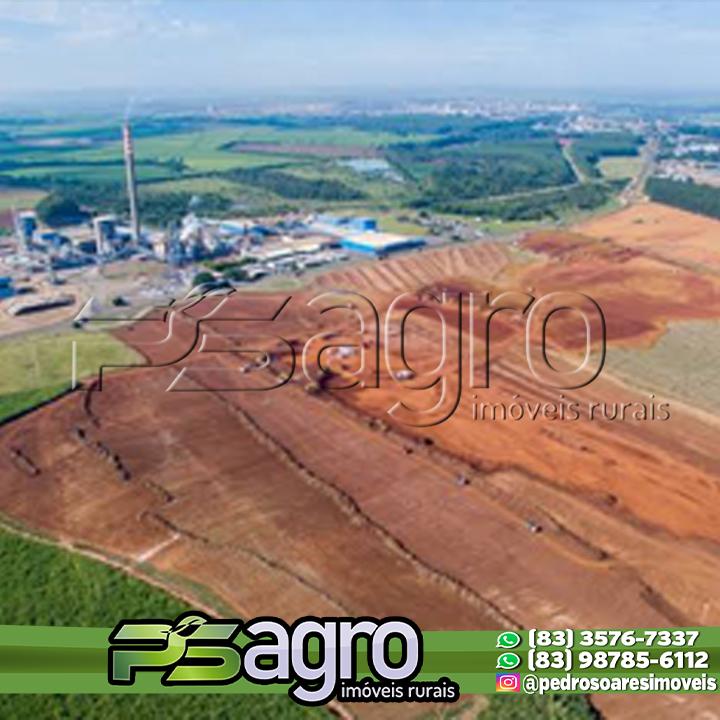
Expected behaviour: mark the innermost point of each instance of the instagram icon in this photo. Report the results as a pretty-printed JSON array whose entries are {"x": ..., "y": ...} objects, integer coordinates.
[{"x": 507, "y": 682}]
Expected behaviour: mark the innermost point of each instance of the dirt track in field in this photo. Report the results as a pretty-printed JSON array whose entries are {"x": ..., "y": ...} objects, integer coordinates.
[{"x": 290, "y": 502}]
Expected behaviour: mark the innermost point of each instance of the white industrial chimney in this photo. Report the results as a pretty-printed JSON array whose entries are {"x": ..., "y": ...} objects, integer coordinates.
[{"x": 129, "y": 153}]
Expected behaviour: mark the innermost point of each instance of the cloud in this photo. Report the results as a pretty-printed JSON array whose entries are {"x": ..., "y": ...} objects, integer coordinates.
[
  {"x": 31, "y": 12},
  {"x": 95, "y": 22}
]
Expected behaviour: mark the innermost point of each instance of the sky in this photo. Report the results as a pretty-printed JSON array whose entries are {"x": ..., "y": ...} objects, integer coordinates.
[{"x": 253, "y": 46}]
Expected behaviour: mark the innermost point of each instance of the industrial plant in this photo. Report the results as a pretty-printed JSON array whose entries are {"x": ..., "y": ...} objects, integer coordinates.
[{"x": 241, "y": 250}]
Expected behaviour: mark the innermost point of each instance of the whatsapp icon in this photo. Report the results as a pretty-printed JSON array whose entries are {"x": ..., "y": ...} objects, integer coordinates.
[
  {"x": 508, "y": 661},
  {"x": 508, "y": 640}
]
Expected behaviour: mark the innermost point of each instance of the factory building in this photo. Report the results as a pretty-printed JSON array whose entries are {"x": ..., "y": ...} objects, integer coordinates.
[
  {"x": 237, "y": 228},
  {"x": 106, "y": 235},
  {"x": 25, "y": 226},
  {"x": 160, "y": 244},
  {"x": 53, "y": 240},
  {"x": 6, "y": 287},
  {"x": 362, "y": 224},
  {"x": 342, "y": 226},
  {"x": 40, "y": 303},
  {"x": 380, "y": 244},
  {"x": 83, "y": 244}
]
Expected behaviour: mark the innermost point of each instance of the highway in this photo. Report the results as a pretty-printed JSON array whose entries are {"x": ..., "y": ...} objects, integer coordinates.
[{"x": 635, "y": 190}]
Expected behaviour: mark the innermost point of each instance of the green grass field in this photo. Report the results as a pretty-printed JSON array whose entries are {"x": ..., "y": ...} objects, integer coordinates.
[
  {"x": 91, "y": 173},
  {"x": 682, "y": 364},
  {"x": 202, "y": 151},
  {"x": 77, "y": 125},
  {"x": 75, "y": 590},
  {"x": 337, "y": 136},
  {"x": 37, "y": 368},
  {"x": 196, "y": 185},
  {"x": 47, "y": 586},
  {"x": 148, "y": 707},
  {"x": 19, "y": 198},
  {"x": 190, "y": 155},
  {"x": 619, "y": 168},
  {"x": 589, "y": 150}
]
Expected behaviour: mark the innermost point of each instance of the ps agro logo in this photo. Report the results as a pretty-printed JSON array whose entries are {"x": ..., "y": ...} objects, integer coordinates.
[
  {"x": 380, "y": 341},
  {"x": 319, "y": 656}
]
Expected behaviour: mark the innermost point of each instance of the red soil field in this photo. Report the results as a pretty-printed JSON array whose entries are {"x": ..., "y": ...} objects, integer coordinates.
[
  {"x": 680, "y": 238},
  {"x": 303, "y": 499}
]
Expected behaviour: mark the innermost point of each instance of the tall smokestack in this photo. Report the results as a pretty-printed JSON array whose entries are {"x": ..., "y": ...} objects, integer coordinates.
[{"x": 131, "y": 181}]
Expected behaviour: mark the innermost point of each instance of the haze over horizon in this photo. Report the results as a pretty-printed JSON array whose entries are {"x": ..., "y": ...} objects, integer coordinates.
[{"x": 143, "y": 46}]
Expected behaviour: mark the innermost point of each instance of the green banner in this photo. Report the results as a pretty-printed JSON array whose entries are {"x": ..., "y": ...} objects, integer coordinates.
[{"x": 80, "y": 660}]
